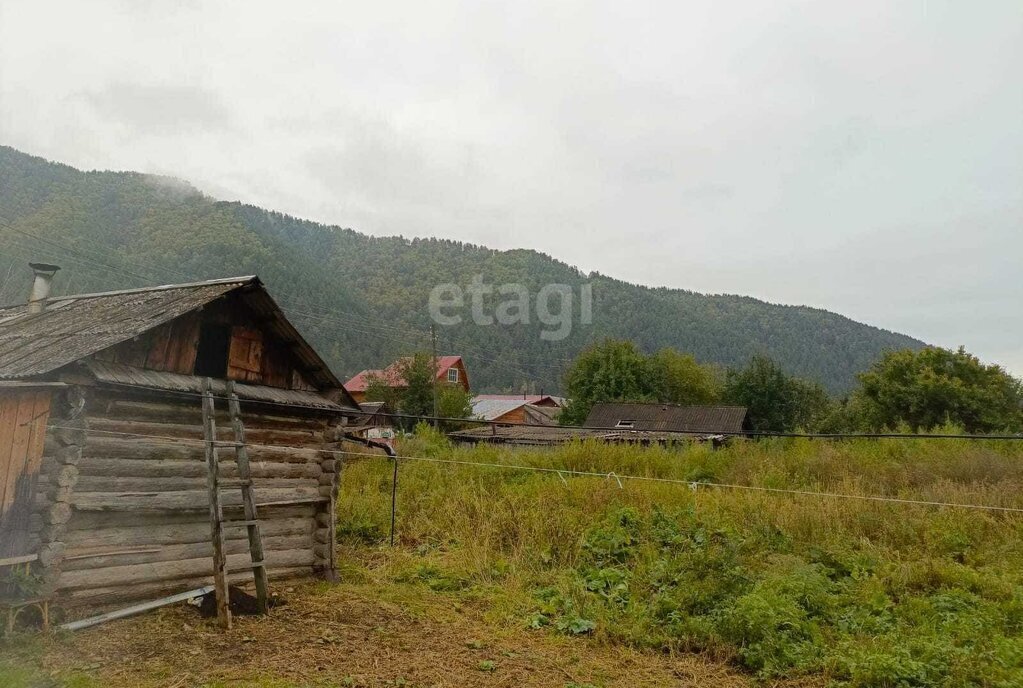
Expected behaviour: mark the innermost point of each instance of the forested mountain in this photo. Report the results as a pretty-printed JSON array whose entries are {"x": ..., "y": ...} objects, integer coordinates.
[{"x": 362, "y": 300}]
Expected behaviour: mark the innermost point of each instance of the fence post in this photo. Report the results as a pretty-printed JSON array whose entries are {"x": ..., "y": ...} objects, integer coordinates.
[{"x": 394, "y": 494}]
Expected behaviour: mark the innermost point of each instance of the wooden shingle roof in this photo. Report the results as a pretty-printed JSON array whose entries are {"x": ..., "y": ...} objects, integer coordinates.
[{"x": 72, "y": 328}]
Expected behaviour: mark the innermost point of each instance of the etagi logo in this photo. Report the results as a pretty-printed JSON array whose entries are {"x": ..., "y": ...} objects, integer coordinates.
[{"x": 554, "y": 304}]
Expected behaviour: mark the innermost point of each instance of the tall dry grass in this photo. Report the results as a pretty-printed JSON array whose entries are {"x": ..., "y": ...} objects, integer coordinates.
[{"x": 737, "y": 570}]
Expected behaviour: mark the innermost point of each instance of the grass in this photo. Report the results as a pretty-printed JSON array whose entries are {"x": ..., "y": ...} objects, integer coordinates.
[
  {"x": 855, "y": 593},
  {"x": 504, "y": 576}
]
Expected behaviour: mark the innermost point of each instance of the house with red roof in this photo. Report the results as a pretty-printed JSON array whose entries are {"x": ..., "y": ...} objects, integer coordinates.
[{"x": 450, "y": 369}]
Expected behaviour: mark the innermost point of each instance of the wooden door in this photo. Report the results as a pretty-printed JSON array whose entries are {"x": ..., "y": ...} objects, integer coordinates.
[
  {"x": 24, "y": 413},
  {"x": 245, "y": 360}
]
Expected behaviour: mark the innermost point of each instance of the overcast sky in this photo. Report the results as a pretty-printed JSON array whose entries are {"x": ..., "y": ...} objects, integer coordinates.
[{"x": 865, "y": 157}]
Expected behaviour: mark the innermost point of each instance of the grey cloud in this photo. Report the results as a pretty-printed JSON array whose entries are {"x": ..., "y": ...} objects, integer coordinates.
[
  {"x": 865, "y": 157},
  {"x": 164, "y": 110}
]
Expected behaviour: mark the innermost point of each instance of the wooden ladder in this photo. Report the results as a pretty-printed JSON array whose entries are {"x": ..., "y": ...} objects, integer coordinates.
[{"x": 215, "y": 484}]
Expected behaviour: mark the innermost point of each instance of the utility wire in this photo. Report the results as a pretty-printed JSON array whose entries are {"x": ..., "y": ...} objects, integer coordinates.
[
  {"x": 683, "y": 433},
  {"x": 612, "y": 475},
  {"x": 350, "y": 321}
]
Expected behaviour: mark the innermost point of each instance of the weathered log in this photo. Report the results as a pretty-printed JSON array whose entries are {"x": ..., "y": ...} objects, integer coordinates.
[
  {"x": 51, "y": 554},
  {"x": 322, "y": 535},
  {"x": 66, "y": 476},
  {"x": 92, "y": 483},
  {"x": 58, "y": 455},
  {"x": 289, "y": 438},
  {"x": 252, "y": 415},
  {"x": 194, "y": 469},
  {"x": 116, "y": 594},
  {"x": 58, "y": 513},
  {"x": 120, "y": 447},
  {"x": 324, "y": 519},
  {"x": 185, "y": 499},
  {"x": 85, "y": 541},
  {"x": 68, "y": 432},
  {"x": 59, "y": 494},
  {"x": 101, "y": 520},
  {"x": 133, "y": 574},
  {"x": 170, "y": 553}
]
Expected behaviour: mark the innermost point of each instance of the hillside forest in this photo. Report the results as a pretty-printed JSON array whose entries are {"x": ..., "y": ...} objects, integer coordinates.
[{"x": 362, "y": 300}]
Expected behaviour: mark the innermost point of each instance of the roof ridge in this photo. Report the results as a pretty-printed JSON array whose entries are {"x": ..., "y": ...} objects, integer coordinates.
[{"x": 242, "y": 279}]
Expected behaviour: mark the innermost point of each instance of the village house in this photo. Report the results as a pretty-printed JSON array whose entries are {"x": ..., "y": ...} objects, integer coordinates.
[
  {"x": 450, "y": 370},
  {"x": 103, "y": 464},
  {"x": 532, "y": 409}
]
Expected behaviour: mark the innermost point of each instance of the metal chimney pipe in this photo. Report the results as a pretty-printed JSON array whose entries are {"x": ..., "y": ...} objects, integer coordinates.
[{"x": 44, "y": 273}]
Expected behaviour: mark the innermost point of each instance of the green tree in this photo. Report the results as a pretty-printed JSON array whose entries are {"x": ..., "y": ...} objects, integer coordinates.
[
  {"x": 775, "y": 401},
  {"x": 678, "y": 378},
  {"x": 453, "y": 402},
  {"x": 934, "y": 386},
  {"x": 613, "y": 370},
  {"x": 616, "y": 370}
]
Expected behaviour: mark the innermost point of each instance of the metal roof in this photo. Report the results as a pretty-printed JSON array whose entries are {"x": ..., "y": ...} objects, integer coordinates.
[
  {"x": 74, "y": 327},
  {"x": 668, "y": 418},
  {"x": 491, "y": 409}
]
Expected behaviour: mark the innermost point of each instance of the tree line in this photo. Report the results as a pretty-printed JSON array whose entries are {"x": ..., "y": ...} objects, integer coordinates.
[{"x": 914, "y": 390}]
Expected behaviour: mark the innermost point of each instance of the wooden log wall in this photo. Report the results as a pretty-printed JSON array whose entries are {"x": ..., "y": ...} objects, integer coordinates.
[{"x": 137, "y": 521}]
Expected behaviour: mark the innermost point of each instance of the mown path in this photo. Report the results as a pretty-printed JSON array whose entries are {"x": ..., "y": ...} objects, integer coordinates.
[{"x": 347, "y": 635}]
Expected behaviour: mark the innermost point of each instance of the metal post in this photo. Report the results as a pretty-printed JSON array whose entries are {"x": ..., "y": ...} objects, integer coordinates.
[{"x": 394, "y": 495}]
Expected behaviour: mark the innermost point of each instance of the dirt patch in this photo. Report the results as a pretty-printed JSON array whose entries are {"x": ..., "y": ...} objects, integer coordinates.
[{"x": 346, "y": 636}]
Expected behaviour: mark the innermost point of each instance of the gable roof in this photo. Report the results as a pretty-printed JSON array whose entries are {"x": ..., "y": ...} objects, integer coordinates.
[
  {"x": 492, "y": 409},
  {"x": 74, "y": 327},
  {"x": 393, "y": 375},
  {"x": 669, "y": 417}
]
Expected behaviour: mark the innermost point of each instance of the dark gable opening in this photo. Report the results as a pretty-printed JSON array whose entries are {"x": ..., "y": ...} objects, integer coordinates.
[{"x": 212, "y": 353}]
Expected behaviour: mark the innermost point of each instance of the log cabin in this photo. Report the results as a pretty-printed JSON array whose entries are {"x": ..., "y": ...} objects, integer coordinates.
[{"x": 102, "y": 451}]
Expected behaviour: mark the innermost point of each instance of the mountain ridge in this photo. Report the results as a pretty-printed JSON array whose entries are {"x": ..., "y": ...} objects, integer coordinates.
[{"x": 361, "y": 299}]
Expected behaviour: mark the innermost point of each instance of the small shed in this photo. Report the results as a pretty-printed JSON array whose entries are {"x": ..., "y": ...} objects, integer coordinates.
[{"x": 102, "y": 451}]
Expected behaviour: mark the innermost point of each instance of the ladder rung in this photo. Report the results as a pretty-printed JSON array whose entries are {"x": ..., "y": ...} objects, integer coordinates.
[
  {"x": 240, "y": 523},
  {"x": 241, "y": 482}
]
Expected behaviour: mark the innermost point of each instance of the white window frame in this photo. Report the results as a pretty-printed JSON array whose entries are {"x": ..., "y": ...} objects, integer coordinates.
[
  {"x": 454, "y": 380},
  {"x": 626, "y": 424}
]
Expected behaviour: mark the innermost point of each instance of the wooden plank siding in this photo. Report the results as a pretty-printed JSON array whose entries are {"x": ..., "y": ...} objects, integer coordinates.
[
  {"x": 255, "y": 356},
  {"x": 245, "y": 358},
  {"x": 23, "y": 418}
]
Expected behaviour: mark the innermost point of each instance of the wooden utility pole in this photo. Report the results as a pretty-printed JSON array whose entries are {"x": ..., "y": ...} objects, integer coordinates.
[{"x": 433, "y": 340}]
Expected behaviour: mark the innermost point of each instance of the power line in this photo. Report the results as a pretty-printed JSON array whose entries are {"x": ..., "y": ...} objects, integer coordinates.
[
  {"x": 619, "y": 431},
  {"x": 611, "y": 475},
  {"x": 350, "y": 321}
]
